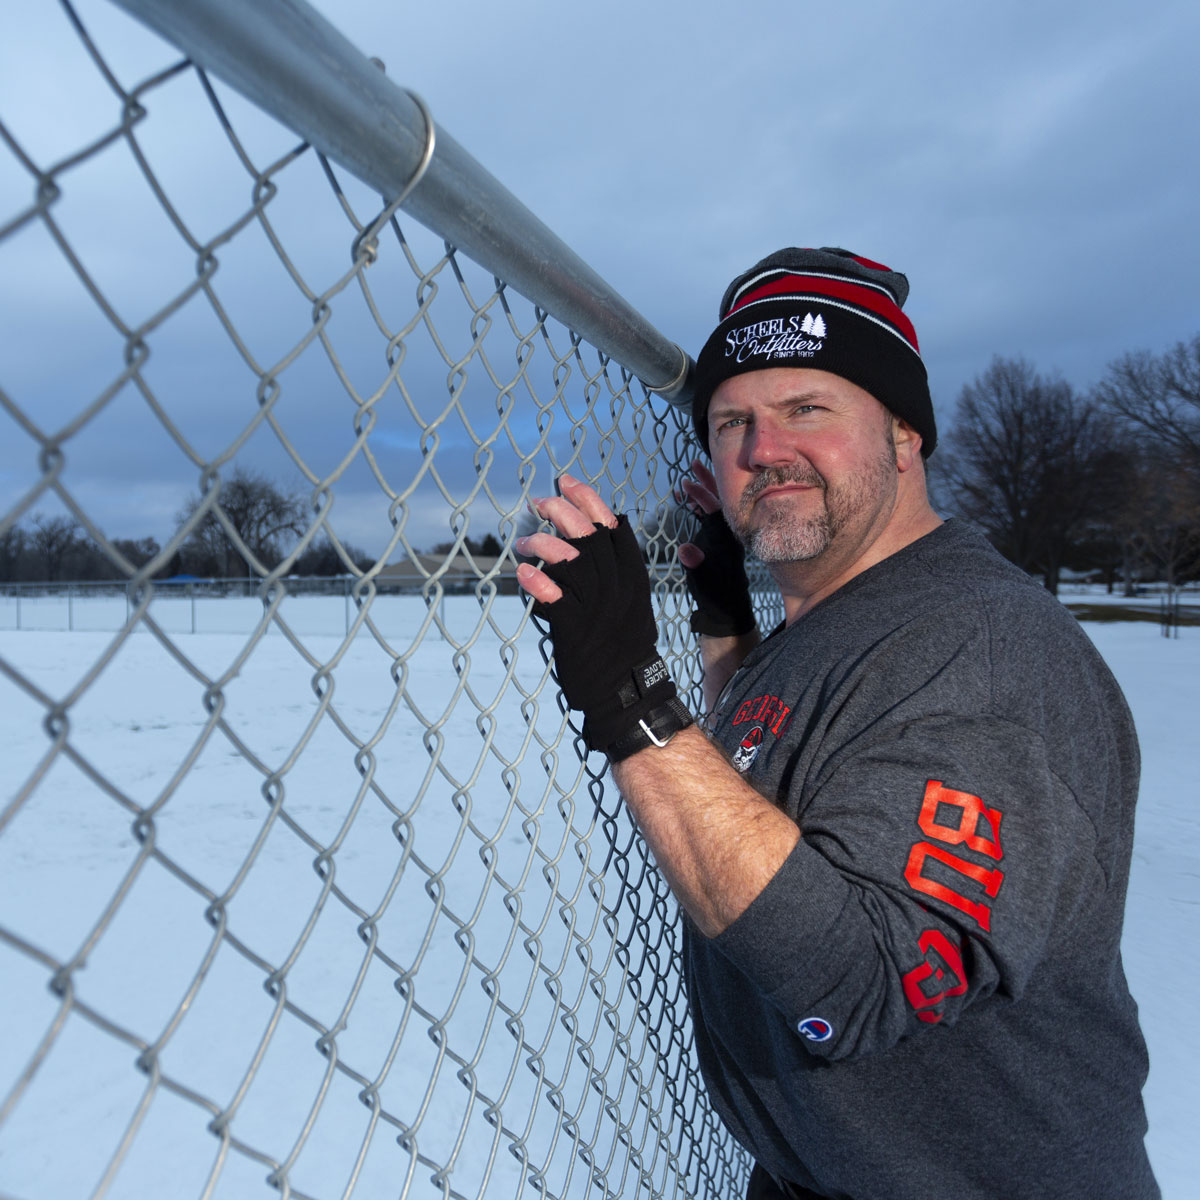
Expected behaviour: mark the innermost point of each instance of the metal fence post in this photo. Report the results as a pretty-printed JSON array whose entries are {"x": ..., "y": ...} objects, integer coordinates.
[{"x": 289, "y": 60}]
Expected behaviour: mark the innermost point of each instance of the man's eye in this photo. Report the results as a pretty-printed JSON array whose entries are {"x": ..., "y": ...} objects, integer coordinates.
[{"x": 731, "y": 423}]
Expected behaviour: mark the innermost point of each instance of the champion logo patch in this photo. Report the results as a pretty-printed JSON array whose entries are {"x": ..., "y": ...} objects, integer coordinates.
[{"x": 815, "y": 1029}]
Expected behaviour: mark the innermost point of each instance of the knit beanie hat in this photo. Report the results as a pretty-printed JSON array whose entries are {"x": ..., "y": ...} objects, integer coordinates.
[{"x": 829, "y": 310}]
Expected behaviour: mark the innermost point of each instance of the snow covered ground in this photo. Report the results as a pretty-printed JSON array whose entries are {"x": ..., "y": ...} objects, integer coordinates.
[
  {"x": 1161, "y": 679},
  {"x": 66, "y": 854},
  {"x": 437, "y": 863}
]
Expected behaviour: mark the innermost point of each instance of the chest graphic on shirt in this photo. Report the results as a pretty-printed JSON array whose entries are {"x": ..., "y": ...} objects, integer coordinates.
[
  {"x": 766, "y": 710},
  {"x": 765, "y": 715},
  {"x": 747, "y": 751}
]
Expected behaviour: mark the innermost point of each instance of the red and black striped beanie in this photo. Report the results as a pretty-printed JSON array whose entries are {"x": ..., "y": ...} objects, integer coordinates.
[{"x": 828, "y": 310}]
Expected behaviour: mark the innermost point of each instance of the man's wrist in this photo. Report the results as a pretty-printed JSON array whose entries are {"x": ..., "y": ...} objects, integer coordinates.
[
  {"x": 655, "y": 728},
  {"x": 706, "y": 623},
  {"x": 720, "y": 659}
]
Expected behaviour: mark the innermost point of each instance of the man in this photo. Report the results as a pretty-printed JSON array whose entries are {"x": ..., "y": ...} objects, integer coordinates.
[{"x": 903, "y": 847}]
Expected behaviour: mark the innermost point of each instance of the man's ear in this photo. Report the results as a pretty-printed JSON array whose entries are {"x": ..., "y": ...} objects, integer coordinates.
[{"x": 907, "y": 442}]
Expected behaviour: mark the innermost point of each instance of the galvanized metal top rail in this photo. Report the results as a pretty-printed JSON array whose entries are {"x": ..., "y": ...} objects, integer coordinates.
[{"x": 292, "y": 63}]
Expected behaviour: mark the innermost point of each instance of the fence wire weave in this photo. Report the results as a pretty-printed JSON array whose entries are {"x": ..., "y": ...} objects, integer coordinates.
[{"x": 321, "y": 893}]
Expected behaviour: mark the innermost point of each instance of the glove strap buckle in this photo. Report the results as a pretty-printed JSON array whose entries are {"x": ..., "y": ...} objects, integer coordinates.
[
  {"x": 656, "y": 728},
  {"x": 653, "y": 740}
]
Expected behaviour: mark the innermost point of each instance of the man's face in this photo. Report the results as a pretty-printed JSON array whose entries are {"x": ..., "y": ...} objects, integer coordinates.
[{"x": 804, "y": 460}]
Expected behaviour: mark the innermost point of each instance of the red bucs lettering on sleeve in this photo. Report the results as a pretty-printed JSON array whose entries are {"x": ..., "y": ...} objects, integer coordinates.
[
  {"x": 938, "y": 866},
  {"x": 923, "y": 985}
]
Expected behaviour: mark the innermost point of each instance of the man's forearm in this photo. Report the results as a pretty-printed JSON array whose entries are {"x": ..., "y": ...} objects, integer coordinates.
[
  {"x": 715, "y": 838},
  {"x": 717, "y": 841}
]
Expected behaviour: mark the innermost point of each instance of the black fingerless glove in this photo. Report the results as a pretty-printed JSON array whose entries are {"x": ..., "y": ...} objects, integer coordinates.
[
  {"x": 605, "y": 639},
  {"x": 719, "y": 585}
]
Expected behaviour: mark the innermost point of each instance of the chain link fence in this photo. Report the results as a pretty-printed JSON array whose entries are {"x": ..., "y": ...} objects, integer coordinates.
[{"x": 330, "y": 901}]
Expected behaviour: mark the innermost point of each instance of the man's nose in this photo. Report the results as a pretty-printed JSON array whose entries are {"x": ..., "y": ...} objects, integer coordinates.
[{"x": 768, "y": 445}]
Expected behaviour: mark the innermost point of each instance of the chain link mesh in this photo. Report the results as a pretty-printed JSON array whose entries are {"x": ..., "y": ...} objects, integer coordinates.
[{"x": 326, "y": 907}]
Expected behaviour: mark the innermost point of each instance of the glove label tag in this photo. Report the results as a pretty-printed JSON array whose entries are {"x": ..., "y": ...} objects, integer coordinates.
[{"x": 653, "y": 673}]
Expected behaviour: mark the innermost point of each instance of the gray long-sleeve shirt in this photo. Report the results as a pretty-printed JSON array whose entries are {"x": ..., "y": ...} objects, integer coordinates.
[{"x": 927, "y": 1000}]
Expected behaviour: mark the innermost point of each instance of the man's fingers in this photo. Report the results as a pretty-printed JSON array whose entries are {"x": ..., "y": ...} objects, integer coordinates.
[
  {"x": 701, "y": 496},
  {"x": 546, "y": 547},
  {"x": 587, "y": 501},
  {"x": 691, "y": 556},
  {"x": 701, "y": 489},
  {"x": 703, "y": 475},
  {"x": 575, "y": 513},
  {"x": 563, "y": 515},
  {"x": 549, "y": 549},
  {"x": 537, "y": 584}
]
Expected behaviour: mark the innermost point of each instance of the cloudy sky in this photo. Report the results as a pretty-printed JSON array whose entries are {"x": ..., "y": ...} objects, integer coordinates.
[{"x": 1033, "y": 168}]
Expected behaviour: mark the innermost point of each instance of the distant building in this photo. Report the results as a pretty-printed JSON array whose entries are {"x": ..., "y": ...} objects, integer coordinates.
[{"x": 461, "y": 573}]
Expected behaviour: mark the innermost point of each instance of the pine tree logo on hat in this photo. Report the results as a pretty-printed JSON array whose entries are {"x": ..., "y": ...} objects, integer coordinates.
[{"x": 776, "y": 338}]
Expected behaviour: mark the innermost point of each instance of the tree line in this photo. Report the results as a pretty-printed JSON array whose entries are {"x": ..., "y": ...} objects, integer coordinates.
[
  {"x": 255, "y": 511},
  {"x": 258, "y": 513},
  {"x": 1104, "y": 482}
]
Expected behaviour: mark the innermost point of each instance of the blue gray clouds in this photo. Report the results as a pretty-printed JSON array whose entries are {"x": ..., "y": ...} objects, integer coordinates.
[{"x": 1032, "y": 168}]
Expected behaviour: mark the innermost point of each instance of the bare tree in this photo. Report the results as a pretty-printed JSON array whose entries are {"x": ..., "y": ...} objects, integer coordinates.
[
  {"x": 1160, "y": 519},
  {"x": 138, "y": 551},
  {"x": 14, "y": 544},
  {"x": 1021, "y": 462},
  {"x": 322, "y": 558},
  {"x": 260, "y": 513},
  {"x": 1159, "y": 396},
  {"x": 52, "y": 540},
  {"x": 1101, "y": 544}
]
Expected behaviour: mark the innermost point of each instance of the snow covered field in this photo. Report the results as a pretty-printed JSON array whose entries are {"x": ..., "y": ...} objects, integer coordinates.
[
  {"x": 485, "y": 884},
  {"x": 1161, "y": 679},
  {"x": 66, "y": 854}
]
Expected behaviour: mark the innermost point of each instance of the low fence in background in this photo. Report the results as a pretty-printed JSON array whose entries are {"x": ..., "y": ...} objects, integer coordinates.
[
  {"x": 1171, "y": 606},
  {"x": 347, "y": 911},
  {"x": 200, "y": 605}
]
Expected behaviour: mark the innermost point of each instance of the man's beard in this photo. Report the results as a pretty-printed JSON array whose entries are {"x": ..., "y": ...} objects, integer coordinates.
[
  {"x": 786, "y": 536},
  {"x": 783, "y": 536}
]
